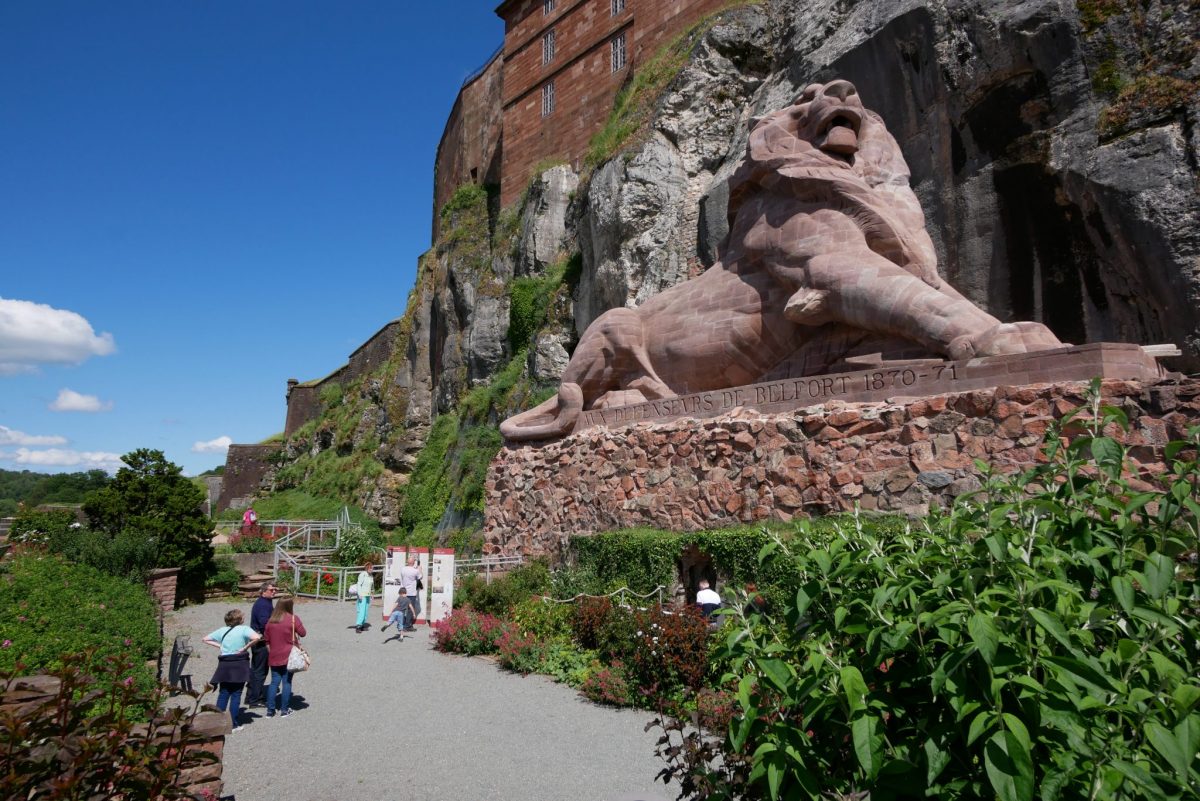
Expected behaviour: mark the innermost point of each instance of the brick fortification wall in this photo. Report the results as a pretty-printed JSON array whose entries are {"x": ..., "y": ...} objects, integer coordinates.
[
  {"x": 496, "y": 133},
  {"x": 688, "y": 474},
  {"x": 304, "y": 400},
  {"x": 245, "y": 468},
  {"x": 469, "y": 151},
  {"x": 585, "y": 84}
]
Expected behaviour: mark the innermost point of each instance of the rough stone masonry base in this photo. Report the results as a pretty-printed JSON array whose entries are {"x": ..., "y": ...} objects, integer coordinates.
[{"x": 895, "y": 456}]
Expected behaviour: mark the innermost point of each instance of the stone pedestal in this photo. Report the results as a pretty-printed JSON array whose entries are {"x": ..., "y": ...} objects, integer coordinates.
[{"x": 900, "y": 454}]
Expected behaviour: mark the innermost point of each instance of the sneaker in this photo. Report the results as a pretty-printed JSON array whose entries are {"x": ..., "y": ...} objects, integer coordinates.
[
  {"x": 270, "y": 714},
  {"x": 285, "y": 713},
  {"x": 385, "y": 627},
  {"x": 238, "y": 728}
]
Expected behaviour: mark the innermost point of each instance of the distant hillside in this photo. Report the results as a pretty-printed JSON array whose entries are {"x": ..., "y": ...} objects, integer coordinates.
[{"x": 37, "y": 488}]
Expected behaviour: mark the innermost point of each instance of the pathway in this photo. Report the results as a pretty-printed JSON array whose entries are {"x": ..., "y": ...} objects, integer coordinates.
[{"x": 398, "y": 720}]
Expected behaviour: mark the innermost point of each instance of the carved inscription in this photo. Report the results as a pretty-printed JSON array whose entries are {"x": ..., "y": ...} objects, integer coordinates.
[{"x": 792, "y": 392}]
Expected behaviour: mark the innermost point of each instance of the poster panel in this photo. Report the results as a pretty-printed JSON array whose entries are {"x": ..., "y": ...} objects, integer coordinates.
[{"x": 441, "y": 584}]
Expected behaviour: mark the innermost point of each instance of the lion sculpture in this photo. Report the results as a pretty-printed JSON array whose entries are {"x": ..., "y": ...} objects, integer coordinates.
[{"x": 827, "y": 267}]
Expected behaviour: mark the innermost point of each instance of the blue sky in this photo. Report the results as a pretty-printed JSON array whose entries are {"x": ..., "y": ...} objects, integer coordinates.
[{"x": 199, "y": 200}]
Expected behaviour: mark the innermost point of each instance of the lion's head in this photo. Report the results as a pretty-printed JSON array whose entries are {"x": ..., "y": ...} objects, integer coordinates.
[{"x": 826, "y": 130}]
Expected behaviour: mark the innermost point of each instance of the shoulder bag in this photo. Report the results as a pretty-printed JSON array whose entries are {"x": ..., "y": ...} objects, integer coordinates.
[{"x": 298, "y": 659}]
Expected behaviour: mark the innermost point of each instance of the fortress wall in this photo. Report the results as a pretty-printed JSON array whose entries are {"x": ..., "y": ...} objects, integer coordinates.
[
  {"x": 245, "y": 468},
  {"x": 304, "y": 400},
  {"x": 899, "y": 456}
]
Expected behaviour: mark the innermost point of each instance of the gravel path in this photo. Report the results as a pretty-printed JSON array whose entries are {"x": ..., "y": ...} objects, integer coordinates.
[{"x": 380, "y": 719}]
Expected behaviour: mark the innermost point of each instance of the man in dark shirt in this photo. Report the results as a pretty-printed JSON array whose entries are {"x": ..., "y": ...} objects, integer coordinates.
[{"x": 259, "y": 614}]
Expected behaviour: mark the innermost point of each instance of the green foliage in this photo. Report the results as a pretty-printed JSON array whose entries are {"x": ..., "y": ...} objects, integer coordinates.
[
  {"x": 357, "y": 545},
  {"x": 467, "y": 197},
  {"x": 467, "y": 632},
  {"x": 428, "y": 489},
  {"x": 331, "y": 394},
  {"x": 128, "y": 554},
  {"x": 530, "y": 298},
  {"x": 33, "y": 489},
  {"x": 1147, "y": 98},
  {"x": 50, "y": 609},
  {"x": 1038, "y": 639},
  {"x": 542, "y": 619},
  {"x": 504, "y": 593},
  {"x": 84, "y": 740},
  {"x": 226, "y": 575},
  {"x": 150, "y": 496},
  {"x": 635, "y": 103},
  {"x": 252, "y": 539}
]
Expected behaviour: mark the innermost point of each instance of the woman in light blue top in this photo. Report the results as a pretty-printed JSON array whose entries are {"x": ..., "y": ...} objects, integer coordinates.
[
  {"x": 233, "y": 663},
  {"x": 365, "y": 586}
]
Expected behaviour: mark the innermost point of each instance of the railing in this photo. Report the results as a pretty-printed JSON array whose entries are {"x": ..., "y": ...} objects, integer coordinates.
[
  {"x": 275, "y": 528},
  {"x": 486, "y": 564},
  {"x": 328, "y": 582},
  {"x": 618, "y": 594},
  {"x": 317, "y": 539},
  {"x": 481, "y": 69}
]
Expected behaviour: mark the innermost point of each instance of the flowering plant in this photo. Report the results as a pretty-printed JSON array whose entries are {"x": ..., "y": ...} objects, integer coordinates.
[{"x": 467, "y": 632}]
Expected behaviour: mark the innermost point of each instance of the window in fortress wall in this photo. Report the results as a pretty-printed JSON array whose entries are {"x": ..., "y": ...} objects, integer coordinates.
[
  {"x": 548, "y": 99},
  {"x": 548, "y": 46},
  {"x": 547, "y": 7},
  {"x": 617, "y": 7},
  {"x": 618, "y": 51}
]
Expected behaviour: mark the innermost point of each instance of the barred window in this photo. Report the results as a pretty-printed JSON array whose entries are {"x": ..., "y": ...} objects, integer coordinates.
[
  {"x": 547, "y": 7},
  {"x": 618, "y": 51},
  {"x": 617, "y": 7},
  {"x": 547, "y": 99},
  {"x": 548, "y": 46}
]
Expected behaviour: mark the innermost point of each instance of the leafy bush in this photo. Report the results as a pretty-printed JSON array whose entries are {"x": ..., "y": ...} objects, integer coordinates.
[
  {"x": 588, "y": 616},
  {"x": 518, "y": 651},
  {"x": 128, "y": 554},
  {"x": 84, "y": 741},
  {"x": 36, "y": 527},
  {"x": 357, "y": 545},
  {"x": 226, "y": 576},
  {"x": 50, "y": 609},
  {"x": 252, "y": 539},
  {"x": 504, "y": 593},
  {"x": 563, "y": 661},
  {"x": 606, "y": 684},
  {"x": 467, "y": 632},
  {"x": 150, "y": 496},
  {"x": 669, "y": 651},
  {"x": 542, "y": 619},
  {"x": 1039, "y": 639}
]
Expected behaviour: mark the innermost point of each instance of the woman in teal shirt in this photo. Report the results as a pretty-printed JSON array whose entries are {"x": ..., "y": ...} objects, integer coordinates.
[{"x": 233, "y": 664}]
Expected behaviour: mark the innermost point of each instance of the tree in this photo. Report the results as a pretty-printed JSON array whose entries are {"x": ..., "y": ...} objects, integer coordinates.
[{"x": 150, "y": 496}]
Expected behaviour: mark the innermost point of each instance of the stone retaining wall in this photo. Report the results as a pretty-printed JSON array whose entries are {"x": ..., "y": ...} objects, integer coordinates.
[
  {"x": 208, "y": 731},
  {"x": 688, "y": 474},
  {"x": 163, "y": 585}
]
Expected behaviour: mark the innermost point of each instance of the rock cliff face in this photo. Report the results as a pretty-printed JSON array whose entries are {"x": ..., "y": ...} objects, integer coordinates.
[{"x": 1053, "y": 146}]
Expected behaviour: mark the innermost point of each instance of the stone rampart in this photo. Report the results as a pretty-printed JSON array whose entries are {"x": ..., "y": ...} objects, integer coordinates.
[
  {"x": 895, "y": 456},
  {"x": 245, "y": 468}
]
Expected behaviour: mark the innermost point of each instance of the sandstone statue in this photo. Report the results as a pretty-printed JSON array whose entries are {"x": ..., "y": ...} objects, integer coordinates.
[{"x": 827, "y": 267}]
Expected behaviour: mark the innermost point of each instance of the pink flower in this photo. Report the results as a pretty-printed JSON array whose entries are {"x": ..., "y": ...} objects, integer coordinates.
[
  {"x": 128, "y": 641},
  {"x": 128, "y": 681},
  {"x": 7, "y": 644}
]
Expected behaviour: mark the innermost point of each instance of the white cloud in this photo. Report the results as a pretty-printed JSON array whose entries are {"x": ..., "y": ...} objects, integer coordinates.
[
  {"x": 34, "y": 333},
  {"x": 9, "y": 436},
  {"x": 218, "y": 445},
  {"x": 69, "y": 400},
  {"x": 63, "y": 457}
]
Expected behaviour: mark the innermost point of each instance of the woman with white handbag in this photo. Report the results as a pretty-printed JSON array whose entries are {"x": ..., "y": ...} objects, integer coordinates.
[{"x": 286, "y": 656}]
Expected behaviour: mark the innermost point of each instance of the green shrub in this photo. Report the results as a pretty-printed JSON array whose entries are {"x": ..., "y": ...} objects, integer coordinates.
[
  {"x": 227, "y": 575},
  {"x": 607, "y": 684},
  {"x": 35, "y": 527},
  {"x": 467, "y": 632},
  {"x": 84, "y": 741},
  {"x": 357, "y": 545},
  {"x": 542, "y": 619},
  {"x": 50, "y": 609},
  {"x": 504, "y": 593},
  {"x": 1039, "y": 639}
]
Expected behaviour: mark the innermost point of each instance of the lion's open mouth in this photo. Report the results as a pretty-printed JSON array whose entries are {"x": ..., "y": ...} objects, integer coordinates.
[{"x": 839, "y": 131}]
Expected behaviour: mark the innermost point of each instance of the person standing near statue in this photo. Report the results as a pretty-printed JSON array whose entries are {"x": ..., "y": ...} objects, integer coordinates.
[
  {"x": 260, "y": 613},
  {"x": 364, "y": 586}
]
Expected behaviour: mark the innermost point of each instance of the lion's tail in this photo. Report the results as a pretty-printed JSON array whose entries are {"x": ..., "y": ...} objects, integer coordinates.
[{"x": 553, "y": 418}]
